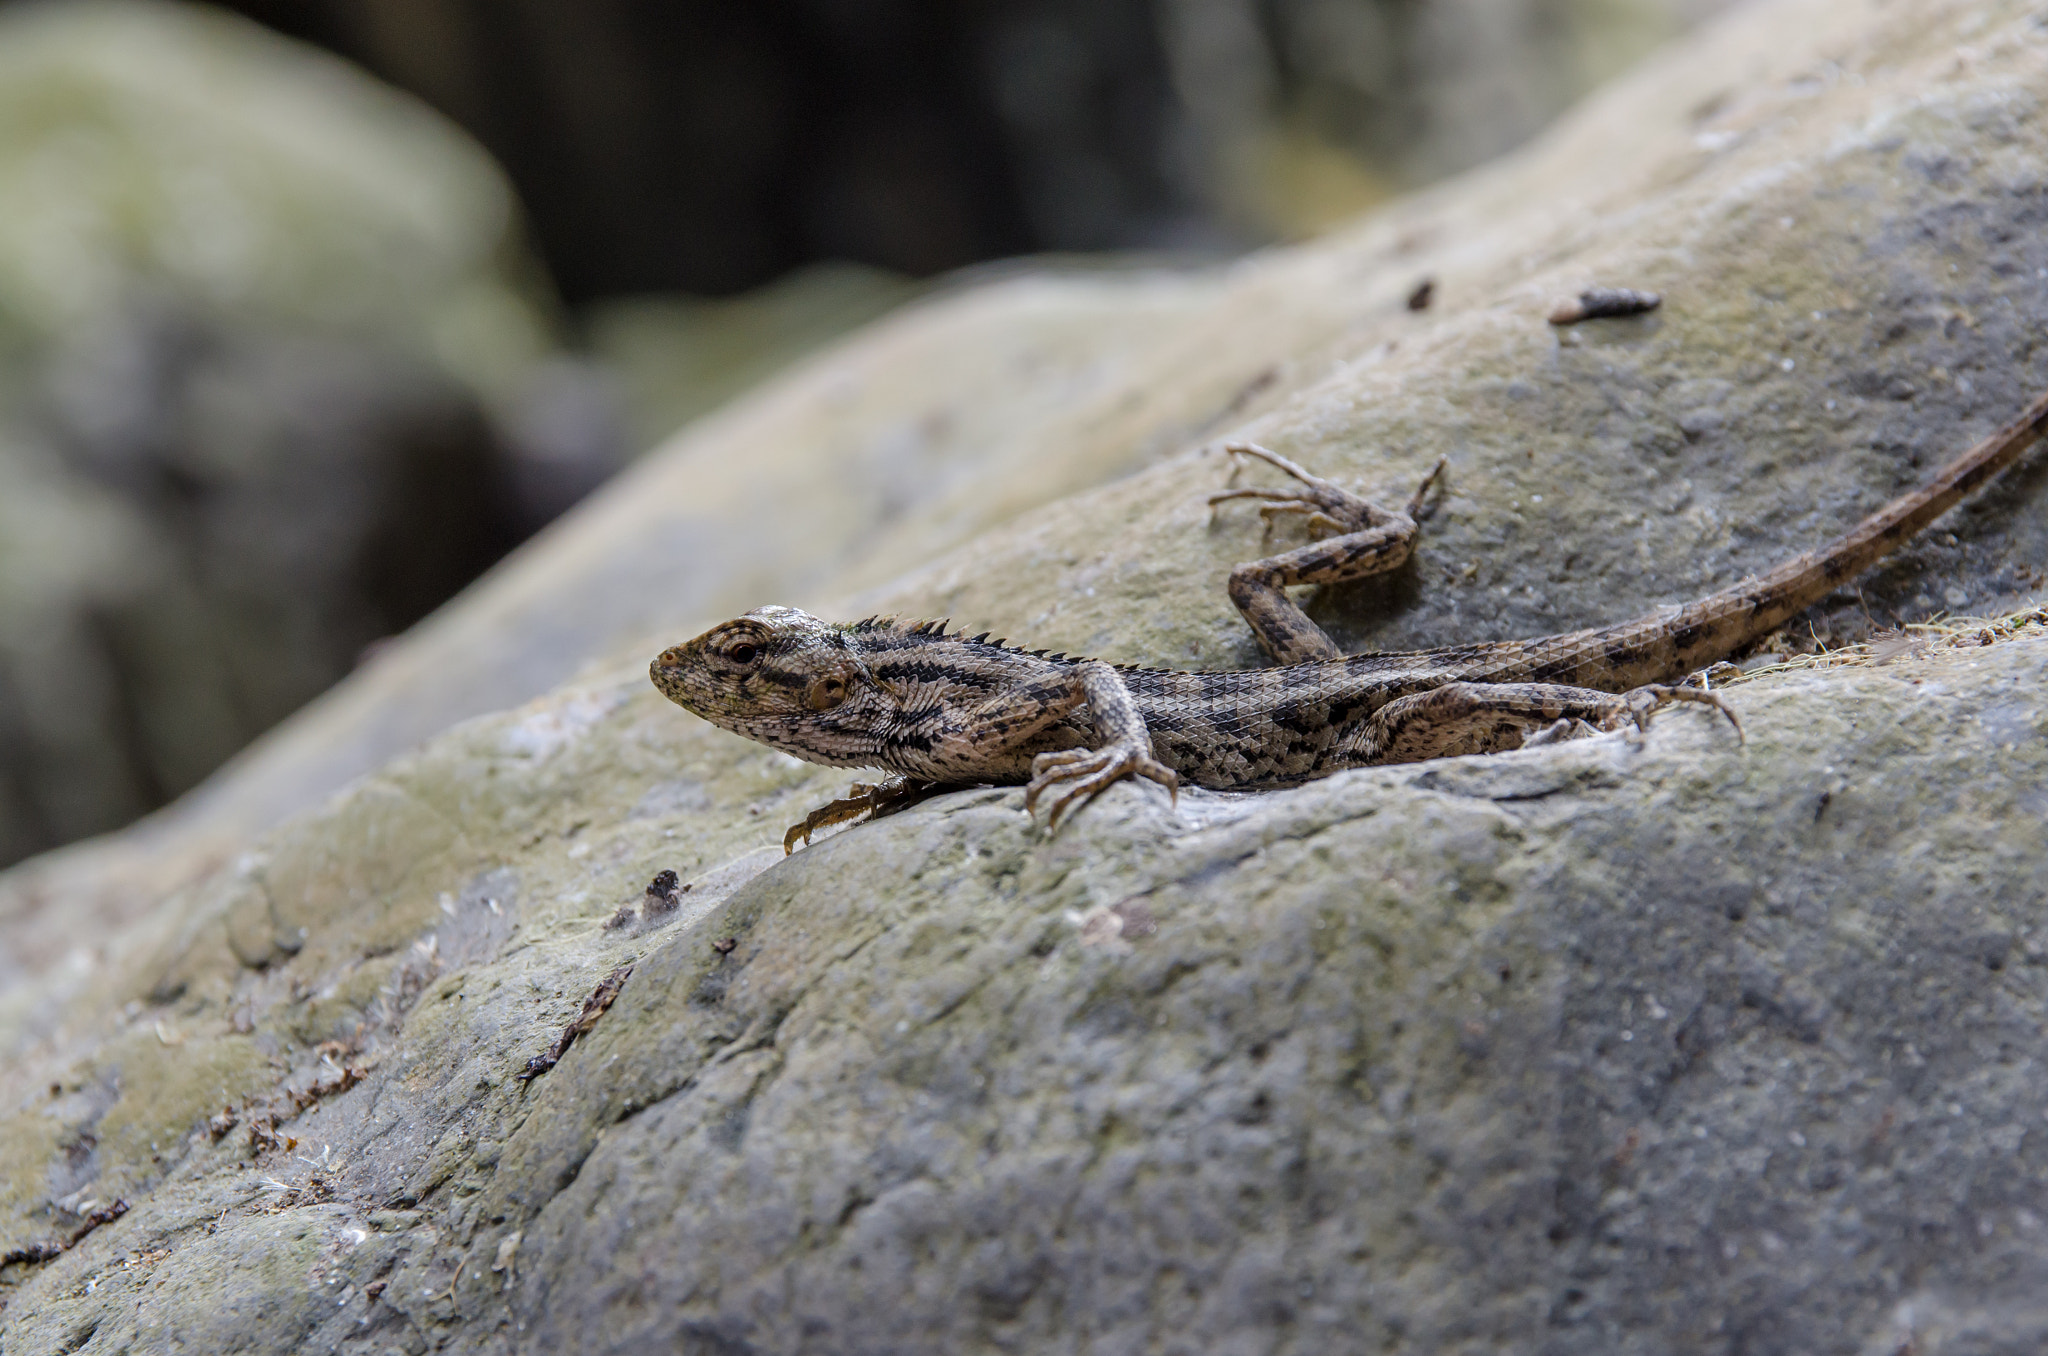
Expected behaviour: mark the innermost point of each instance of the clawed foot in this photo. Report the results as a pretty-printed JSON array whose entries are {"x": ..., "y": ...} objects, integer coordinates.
[
  {"x": 1077, "y": 776},
  {"x": 862, "y": 801},
  {"x": 1639, "y": 704},
  {"x": 1560, "y": 731},
  {"x": 1329, "y": 509}
]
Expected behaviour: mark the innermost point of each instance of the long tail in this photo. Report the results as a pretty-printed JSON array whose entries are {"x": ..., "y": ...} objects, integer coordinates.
[{"x": 1665, "y": 646}]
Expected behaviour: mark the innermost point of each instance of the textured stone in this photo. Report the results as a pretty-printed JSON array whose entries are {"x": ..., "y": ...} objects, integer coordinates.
[
  {"x": 1672, "y": 1046},
  {"x": 1661, "y": 1048}
]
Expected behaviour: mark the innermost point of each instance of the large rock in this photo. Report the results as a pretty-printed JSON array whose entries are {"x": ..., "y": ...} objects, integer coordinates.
[{"x": 1685, "y": 1045}]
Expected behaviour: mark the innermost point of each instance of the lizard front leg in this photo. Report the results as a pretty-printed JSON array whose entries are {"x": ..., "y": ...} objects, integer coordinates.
[
  {"x": 863, "y": 801},
  {"x": 983, "y": 744},
  {"x": 1463, "y": 718},
  {"x": 1356, "y": 538},
  {"x": 1077, "y": 776},
  {"x": 963, "y": 751}
]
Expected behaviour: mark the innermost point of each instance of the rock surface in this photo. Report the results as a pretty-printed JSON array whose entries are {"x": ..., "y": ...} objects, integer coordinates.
[{"x": 1679, "y": 1046}]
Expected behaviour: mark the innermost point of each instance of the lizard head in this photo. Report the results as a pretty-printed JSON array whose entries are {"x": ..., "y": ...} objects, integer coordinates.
[{"x": 776, "y": 675}]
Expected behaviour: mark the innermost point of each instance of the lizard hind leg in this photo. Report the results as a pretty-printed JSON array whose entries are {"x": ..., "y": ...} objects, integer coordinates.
[
  {"x": 1357, "y": 538},
  {"x": 1465, "y": 718}
]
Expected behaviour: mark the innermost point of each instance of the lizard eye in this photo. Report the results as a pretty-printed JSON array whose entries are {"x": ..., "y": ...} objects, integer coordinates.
[{"x": 742, "y": 653}]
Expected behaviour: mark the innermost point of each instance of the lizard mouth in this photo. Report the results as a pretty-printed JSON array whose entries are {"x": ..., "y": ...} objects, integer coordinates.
[{"x": 666, "y": 673}]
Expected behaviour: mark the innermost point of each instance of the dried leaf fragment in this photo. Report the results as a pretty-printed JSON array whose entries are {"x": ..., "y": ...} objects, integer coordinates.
[{"x": 593, "y": 1008}]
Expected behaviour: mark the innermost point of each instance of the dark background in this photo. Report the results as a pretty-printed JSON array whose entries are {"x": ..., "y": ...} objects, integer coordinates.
[
  {"x": 711, "y": 147},
  {"x": 708, "y": 148}
]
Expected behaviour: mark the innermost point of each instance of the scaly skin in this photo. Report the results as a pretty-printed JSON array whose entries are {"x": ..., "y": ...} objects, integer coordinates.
[{"x": 943, "y": 709}]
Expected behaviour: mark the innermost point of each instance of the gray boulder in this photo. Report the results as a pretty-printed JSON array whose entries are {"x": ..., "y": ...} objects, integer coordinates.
[{"x": 1671, "y": 1044}]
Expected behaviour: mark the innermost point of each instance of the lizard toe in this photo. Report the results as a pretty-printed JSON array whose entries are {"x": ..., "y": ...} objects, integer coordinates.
[
  {"x": 1155, "y": 771},
  {"x": 1070, "y": 781},
  {"x": 1077, "y": 776},
  {"x": 862, "y": 801},
  {"x": 1644, "y": 702},
  {"x": 853, "y": 806},
  {"x": 1557, "y": 732}
]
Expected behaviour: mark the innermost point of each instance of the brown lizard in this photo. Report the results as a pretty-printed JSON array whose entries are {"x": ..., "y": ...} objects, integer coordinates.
[{"x": 944, "y": 709}]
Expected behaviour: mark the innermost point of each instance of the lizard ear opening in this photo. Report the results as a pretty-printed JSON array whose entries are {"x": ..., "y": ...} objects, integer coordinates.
[{"x": 825, "y": 692}]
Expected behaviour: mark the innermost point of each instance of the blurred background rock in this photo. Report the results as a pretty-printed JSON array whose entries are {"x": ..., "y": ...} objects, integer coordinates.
[{"x": 286, "y": 358}]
